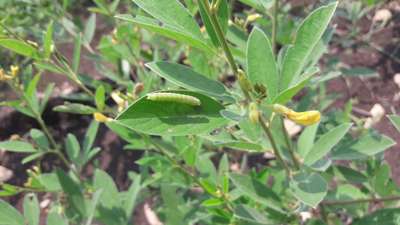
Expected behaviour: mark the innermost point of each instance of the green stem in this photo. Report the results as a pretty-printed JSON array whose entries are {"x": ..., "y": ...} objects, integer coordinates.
[
  {"x": 296, "y": 162},
  {"x": 72, "y": 75},
  {"x": 274, "y": 146},
  {"x": 222, "y": 40},
  {"x": 274, "y": 24},
  {"x": 43, "y": 125},
  {"x": 46, "y": 131},
  {"x": 161, "y": 151},
  {"x": 357, "y": 201},
  {"x": 323, "y": 213},
  {"x": 220, "y": 35}
]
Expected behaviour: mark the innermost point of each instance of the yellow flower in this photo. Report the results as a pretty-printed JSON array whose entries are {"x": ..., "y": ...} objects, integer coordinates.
[
  {"x": 14, "y": 71},
  {"x": 4, "y": 76},
  {"x": 303, "y": 118},
  {"x": 99, "y": 117},
  {"x": 115, "y": 95},
  {"x": 253, "y": 17},
  {"x": 254, "y": 114}
]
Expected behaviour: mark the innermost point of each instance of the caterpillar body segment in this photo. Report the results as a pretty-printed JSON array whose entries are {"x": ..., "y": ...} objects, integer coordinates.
[{"x": 174, "y": 97}]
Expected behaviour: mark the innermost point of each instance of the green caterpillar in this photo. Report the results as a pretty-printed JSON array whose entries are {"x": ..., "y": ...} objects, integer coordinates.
[{"x": 173, "y": 97}]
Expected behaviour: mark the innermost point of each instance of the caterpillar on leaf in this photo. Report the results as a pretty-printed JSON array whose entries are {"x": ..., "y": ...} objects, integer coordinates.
[{"x": 173, "y": 97}]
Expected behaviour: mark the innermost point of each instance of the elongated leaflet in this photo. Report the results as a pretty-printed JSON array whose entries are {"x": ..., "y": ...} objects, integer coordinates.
[{"x": 173, "y": 97}]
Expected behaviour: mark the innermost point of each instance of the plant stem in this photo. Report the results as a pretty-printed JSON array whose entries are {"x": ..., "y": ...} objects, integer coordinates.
[
  {"x": 357, "y": 201},
  {"x": 161, "y": 151},
  {"x": 46, "y": 130},
  {"x": 274, "y": 146},
  {"x": 231, "y": 60},
  {"x": 221, "y": 37},
  {"x": 274, "y": 24},
  {"x": 222, "y": 40},
  {"x": 323, "y": 213},
  {"x": 43, "y": 125},
  {"x": 296, "y": 162}
]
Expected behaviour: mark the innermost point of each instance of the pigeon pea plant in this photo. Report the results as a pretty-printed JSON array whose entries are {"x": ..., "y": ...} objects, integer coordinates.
[{"x": 203, "y": 133}]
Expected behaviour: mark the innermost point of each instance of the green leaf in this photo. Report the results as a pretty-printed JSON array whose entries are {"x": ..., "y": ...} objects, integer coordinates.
[
  {"x": 17, "y": 146},
  {"x": 186, "y": 77},
  {"x": 19, "y": 47},
  {"x": 382, "y": 216},
  {"x": 172, "y": 118},
  {"x": 241, "y": 145},
  {"x": 261, "y": 64},
  {"x": 256, "y": 4},
  {"x": 168, "y": 32},
  {"x": 32, "y": 157},
  {"x": 250, "y": 216},
  {"x": 306, "y": 140},
  {"x": 325, "y": 143},
  {"x": 90, "y": 28},
  {"x": 73, "y": 191},
  {"x": 30, "y": 93},
  {"x": 46, "y": 96},
  {"x": 90, "y": 136},
  {"x": 395, "y": 119},
  {"x": 31, "y": 209},
  {"x": 72, "y": 147},
  {"x": 255, "y": 190},
  {"x": 9, "y": 215},
  {"x": 75, "y": 108},
  {"x": 50, "y": 67},
  {"x": 359, "y": 72},
  {"x": 100, "y": 97},
  {"x": 20, "y": 106},
  {"x": 172, "y": 13},
  {"x": 40, "y": 138},
  {"x": 351, "y": 175},
  {"x": 308, "y": 35},
  {"x": 212, "y": 202},
  {"x": 76, "y": 57},
  {"x": 93, "y": 205},
  {"x": 173, "y": 211},
  {"x": 50, "y": 182},
  {"x": 48, "y": 40},
  {"x": 309, "y": 188},
  {"x": 109, "y": 196},
  {"x": 367, "y": 145},
  {"x": 287, "y": 94},
  {"x": 129, "y": 201},
  {"x": 56, "y": 219}
]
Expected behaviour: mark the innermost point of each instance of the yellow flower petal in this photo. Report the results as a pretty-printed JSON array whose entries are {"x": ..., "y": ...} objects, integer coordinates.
[
  {"x": 99, "y": 117},
  {"x": 14, "y": 71},
  {"x": 305, "y": 118}
]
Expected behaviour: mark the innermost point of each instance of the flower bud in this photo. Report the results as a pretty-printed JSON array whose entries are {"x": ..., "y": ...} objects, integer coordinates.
[
  {"x": 254, "y": 114},
  {"x": 244, "y": 82},
  {"x": 99, "y": 117},
  {"x": 253, "y": 17},
  {"x": 281, "y": 109},
  {"x": 14, "y": 71},
  {"x": 303, "y": 118}
]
